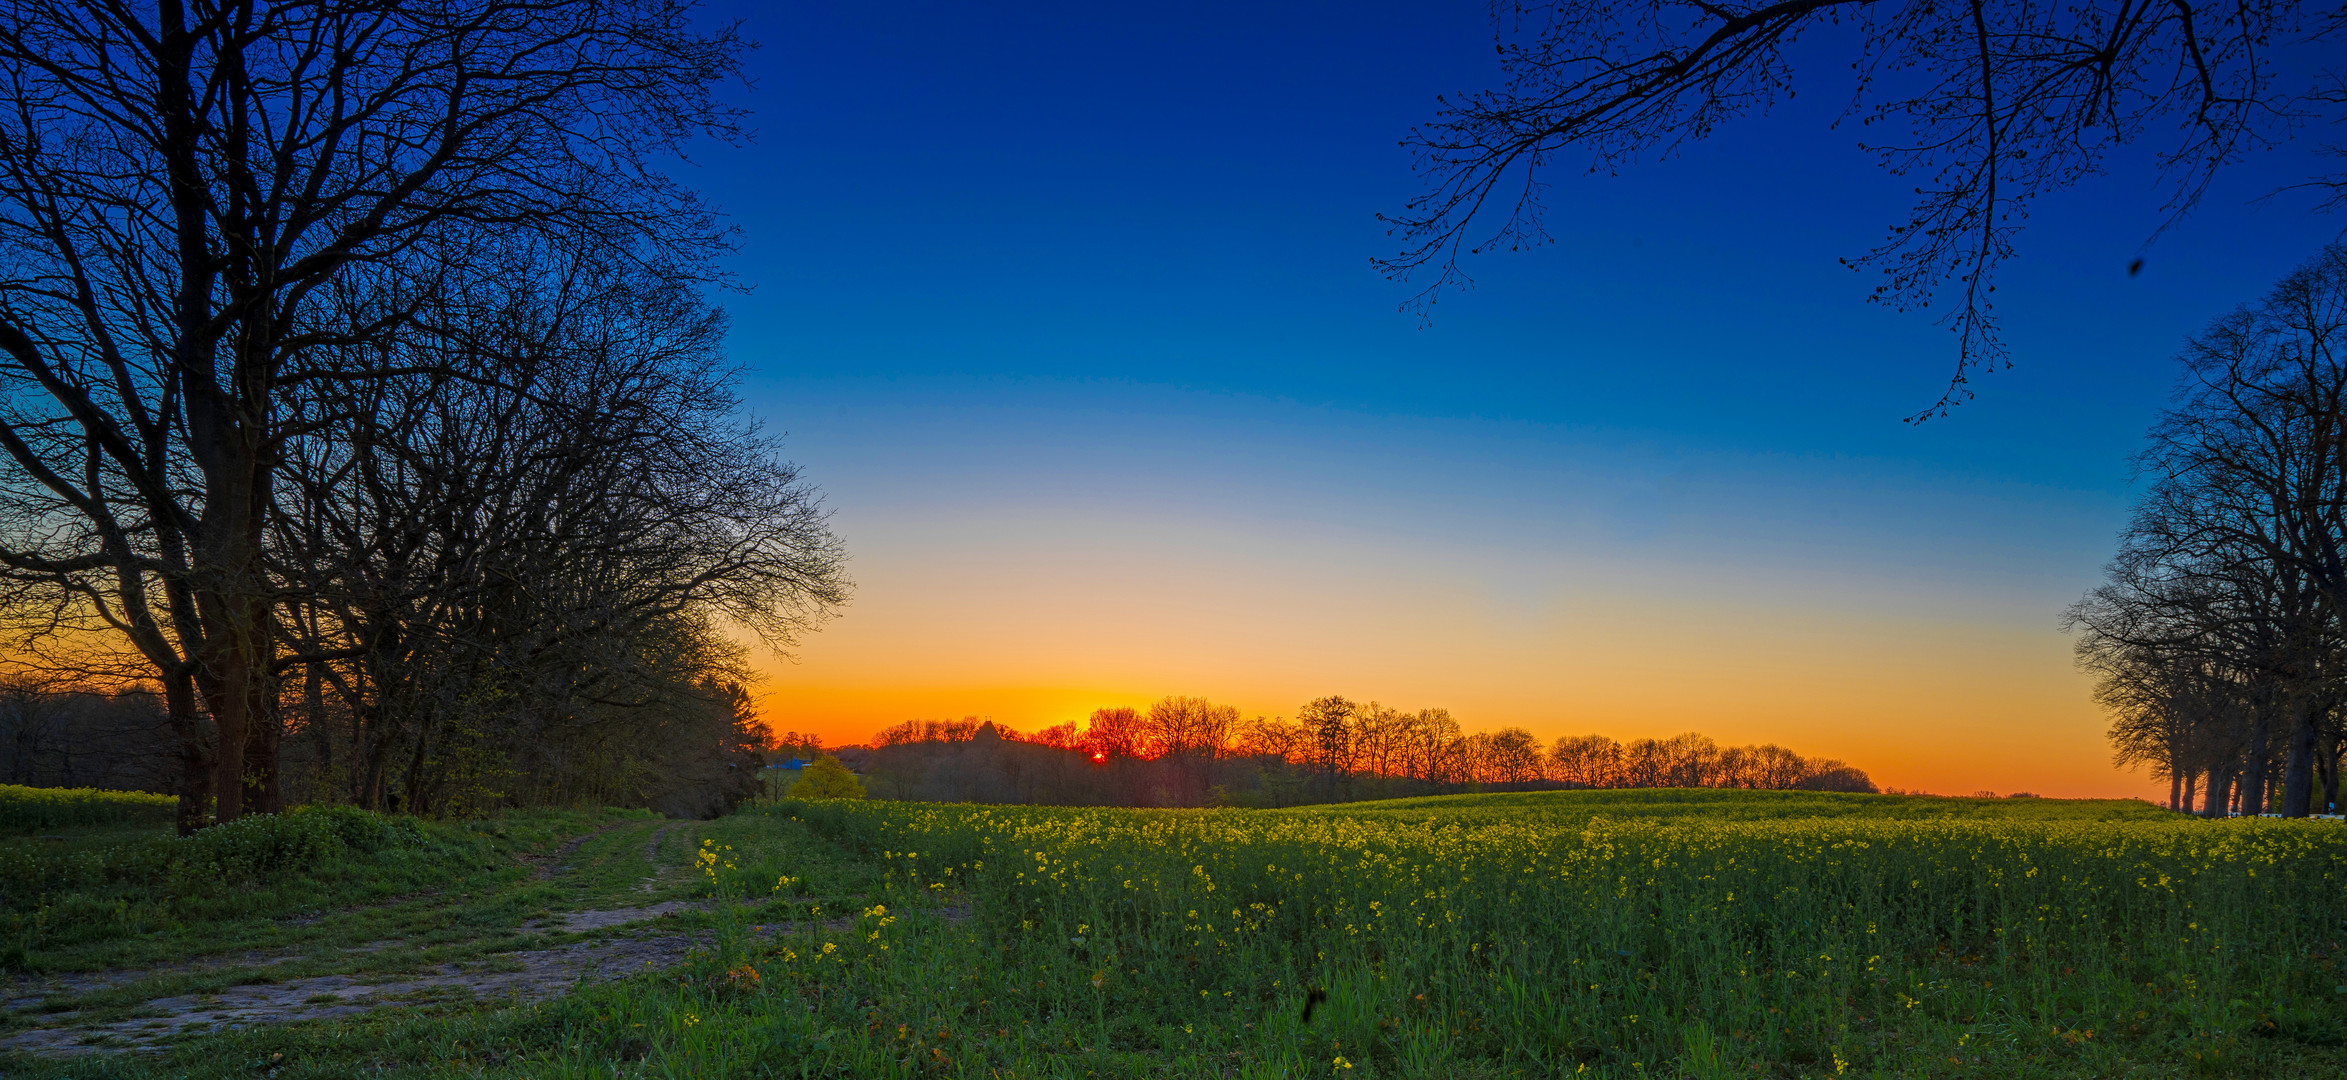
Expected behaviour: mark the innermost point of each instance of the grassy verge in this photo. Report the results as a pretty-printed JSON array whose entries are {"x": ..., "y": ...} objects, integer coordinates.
[
  {"x": 102, "y": 896},
  {"x": 108, "y": 919}
]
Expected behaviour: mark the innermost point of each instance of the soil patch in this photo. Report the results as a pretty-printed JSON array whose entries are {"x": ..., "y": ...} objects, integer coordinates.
[
  {"x": 577, "y": 921},
  {"x": 526, "y": 975}
]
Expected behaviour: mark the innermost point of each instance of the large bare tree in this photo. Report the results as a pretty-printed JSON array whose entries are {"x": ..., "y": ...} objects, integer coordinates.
[
  {"x": 179, "y": 182},
  {"x": 2237, "y": 553},
  {"x": 546, "y": 517}
]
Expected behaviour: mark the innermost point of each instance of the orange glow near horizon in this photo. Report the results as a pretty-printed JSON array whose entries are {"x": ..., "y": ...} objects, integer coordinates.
[{"x": 1967, "y": 699}]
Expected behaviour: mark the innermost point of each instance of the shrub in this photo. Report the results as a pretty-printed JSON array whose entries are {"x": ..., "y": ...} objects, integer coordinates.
[
  {"x": 53, "y": 895},
  {"x": 827, "y": 779}
]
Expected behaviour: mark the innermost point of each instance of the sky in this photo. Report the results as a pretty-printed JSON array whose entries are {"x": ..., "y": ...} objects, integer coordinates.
[{"x": 1069, "y": 311}]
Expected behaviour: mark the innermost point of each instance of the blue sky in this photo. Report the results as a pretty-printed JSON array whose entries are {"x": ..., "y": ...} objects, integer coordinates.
[{"x": 1082, "y": 292}]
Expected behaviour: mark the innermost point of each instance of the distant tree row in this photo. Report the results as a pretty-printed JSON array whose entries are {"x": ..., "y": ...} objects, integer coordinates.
[
  {"x": 1188, "y": 751},
  {"x": 52, "y": 736},
  {"x": 1692, "y": 760},
  {"x": 2219, "y": 639}
]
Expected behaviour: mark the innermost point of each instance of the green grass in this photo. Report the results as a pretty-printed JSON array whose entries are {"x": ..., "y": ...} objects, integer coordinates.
[
  {"x": 72, "y": 903},
  {"x": 1615, "y": 934},
  {"x": 24, "y": 809},
  {"x": 371, "y": 919},
  {"x": 312, "y": 882}
]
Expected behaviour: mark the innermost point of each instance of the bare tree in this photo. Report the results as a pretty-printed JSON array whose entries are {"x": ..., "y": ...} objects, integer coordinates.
[
  {"x": 1645, "y": 763},
  {"x": 1188, "y": 727},
  {"x": 1187, "y": 735},
  {"x": 1329, "y": 734},
  {"x": 1690, "y": 760},
  {"x": 177, "y": 184},
  {"x": 475, "y": 556},
  {"x": 1733, "y": 768},
  {"x": 2237, "y": 553},
  {"x": 1512, "y": 757},
  {"x": 1271, "y": 737},
  {"x": 2176, "y": 651},
  {"x": 1116, "y": 732},
  {"x": 1430, "y": 747},
  {"x": 61, "y": 735},
  {"x": 1985, "y": 107},
  {"x": 1378, "y": 733},
  {"x": 1587, "y": 761}
]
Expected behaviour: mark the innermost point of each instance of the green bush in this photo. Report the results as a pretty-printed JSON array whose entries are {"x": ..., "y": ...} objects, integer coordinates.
[
  {"x": 266, "y": 845},
  {"x": 26, "y": 809},
  {"x": 827, "y": 779},
  {"x": 53, "y": 895}
]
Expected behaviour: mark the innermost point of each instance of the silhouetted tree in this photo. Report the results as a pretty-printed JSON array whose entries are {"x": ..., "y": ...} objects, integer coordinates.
[
  {"x": 1512, "y": 756},
  {"x": 1986, "y": 107},
  {"x": 180, "y": 186},
  {"x": 62, "y": 735},
  {"x": 505, "y": 562},
  {"x": 1329, "y": 738},
  {"x": 1274, "y": 762},
  {"x": 1430, "y": 746},
  {"x": 1117, "y": 733},
  {"x": 2236, "y": 558},
  {"x": 1586, "y": 761},
  {"x": 1689, "y": 760}
]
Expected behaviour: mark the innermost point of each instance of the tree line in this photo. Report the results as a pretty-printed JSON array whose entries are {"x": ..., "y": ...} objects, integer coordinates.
[
  {"x": 1188, "y": 751},
  {"x": 67, "y": 738},
  {"x": 360, "y": 399},
  {"x": 2216, "y": 640}
]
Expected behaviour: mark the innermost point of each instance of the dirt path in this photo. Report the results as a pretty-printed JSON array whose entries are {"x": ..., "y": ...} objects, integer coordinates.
[
  {"x": 634, "y": 942},
  {"x": 25, "y": 993},
  {"x": 516, "y": 976},
  {"x": 526, "y": 975},
  {"x": 547, "y": 866}
]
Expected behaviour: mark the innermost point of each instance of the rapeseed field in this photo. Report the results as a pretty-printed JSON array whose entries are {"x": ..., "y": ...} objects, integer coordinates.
[
  {"x": 1551, "y": 935},
  {"x": 25, "y": 808},
  {"x": 1688, "y": 935}
]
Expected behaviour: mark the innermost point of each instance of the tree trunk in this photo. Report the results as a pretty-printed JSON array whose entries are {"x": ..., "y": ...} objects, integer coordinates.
[
  {"x": 195, "y": 760},
  {"x": 415, "y": 772},
  {"x": 2327, "y": 758},
  {"x": 2298, "y": 773},
  {"x": 377, "y": 751},
  {"x": 2219, "y": 797},
  {"x": 314, "y": 724},
  {"x": 2191, "y": 788},
  {"x": 262, "y": 793},
  {"x": 2175, "y": 788},
  {"x": 2252, "y": 786},
  {"x": 234, "y": 665},
  {"x": 229, "y": 698}
]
